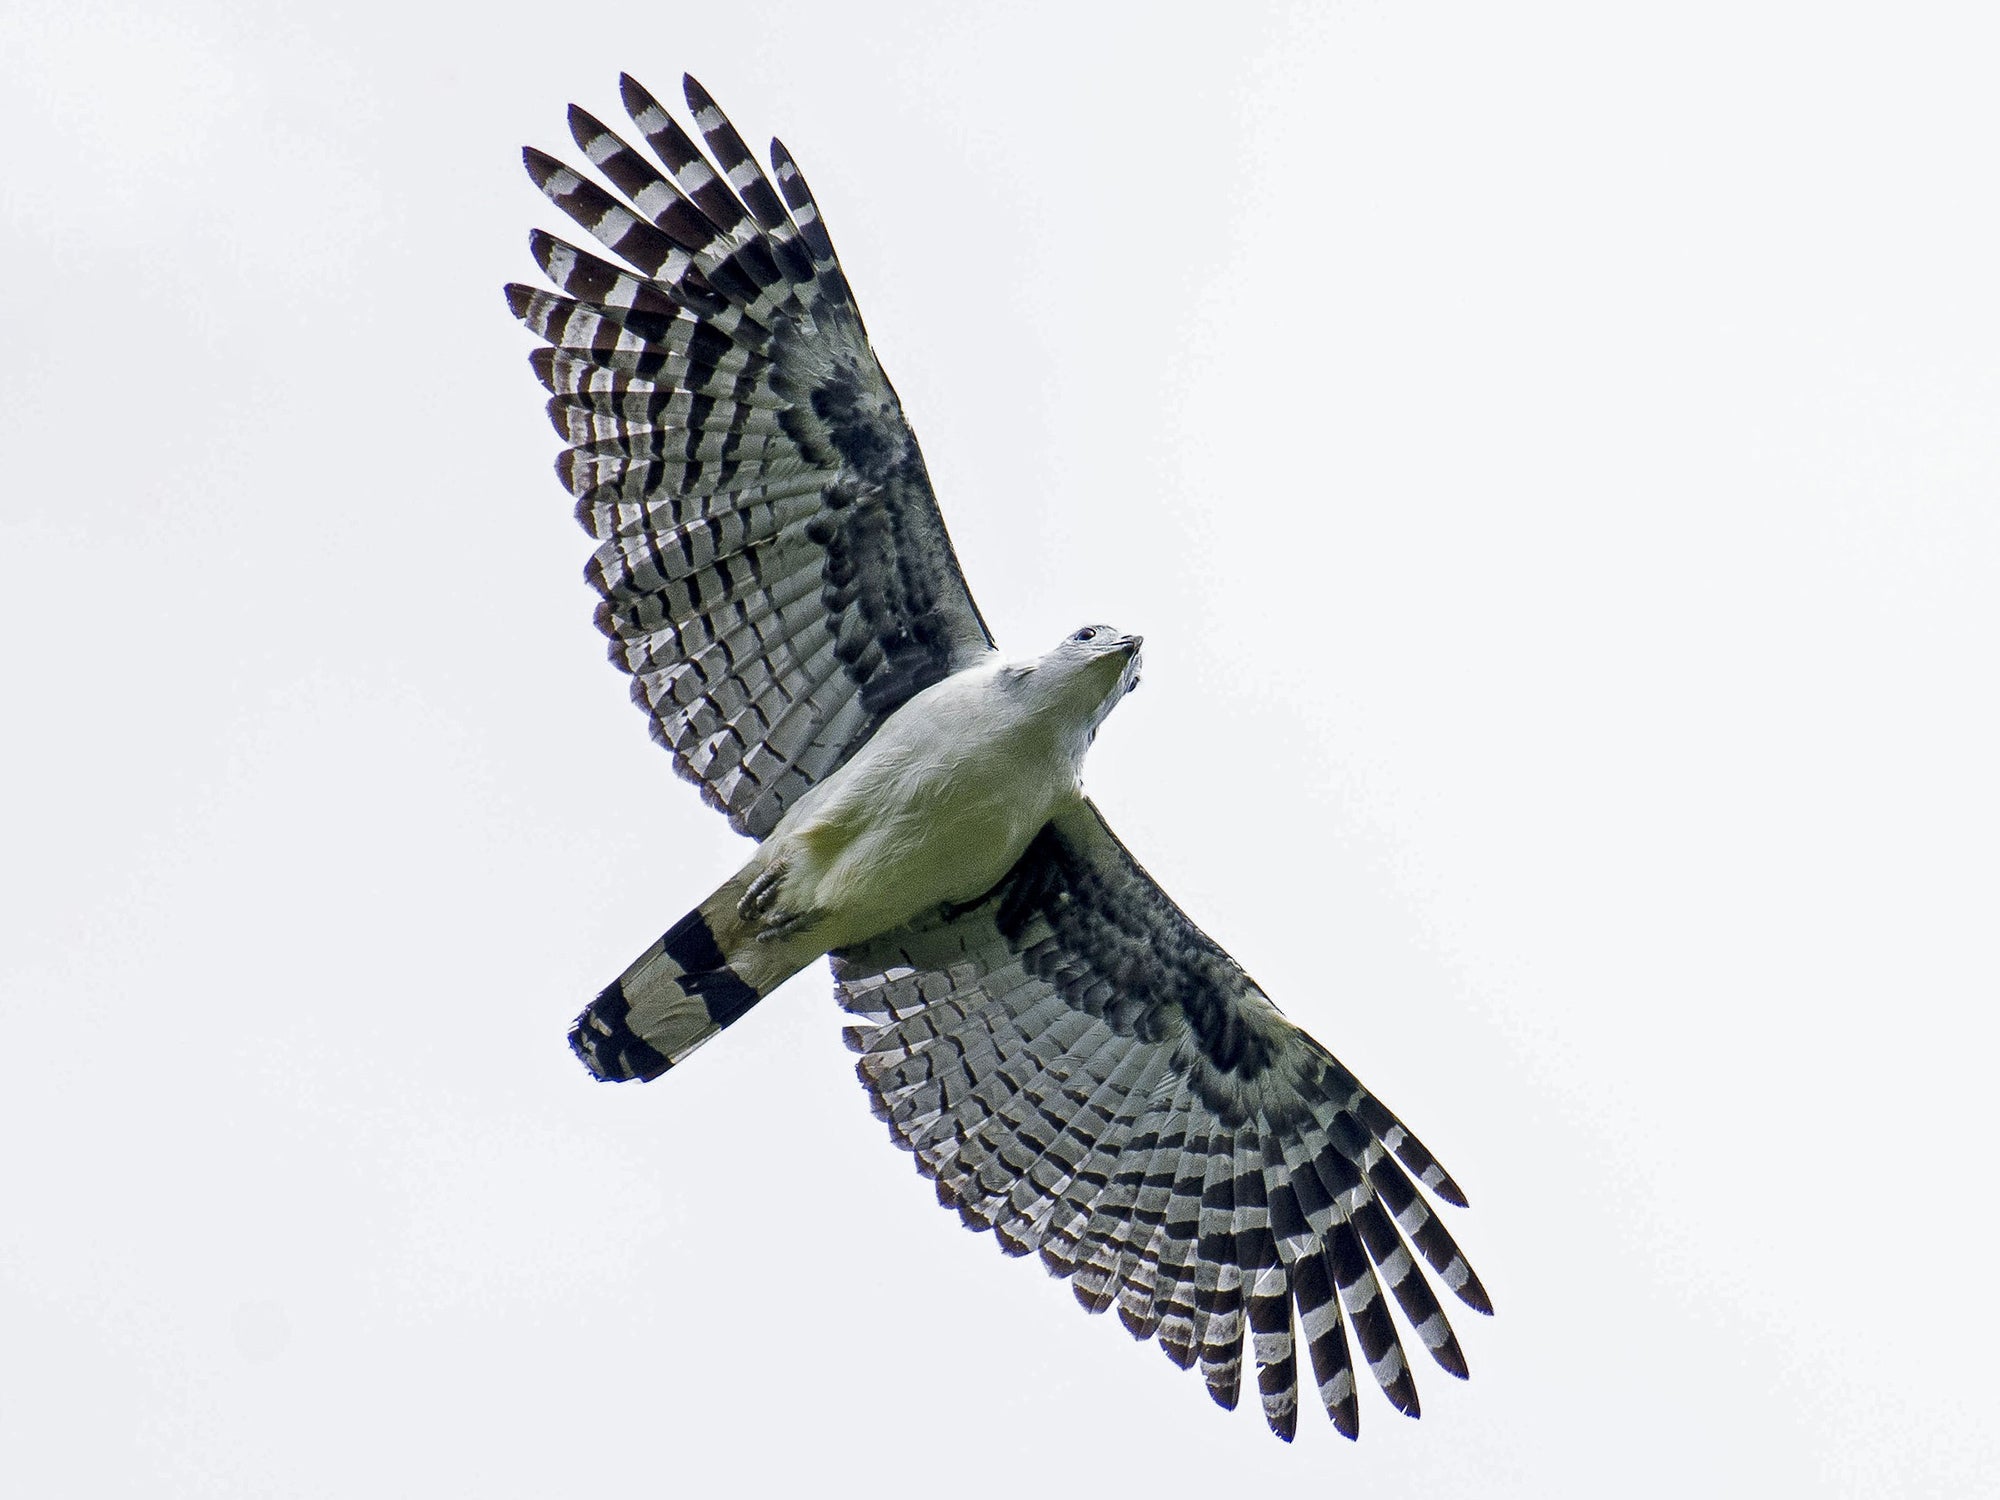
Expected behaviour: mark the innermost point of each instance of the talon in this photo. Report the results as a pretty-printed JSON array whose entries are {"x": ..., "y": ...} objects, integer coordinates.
[
  {"x": 762, "y": 891},
  {"x": 783, "y": 924}
]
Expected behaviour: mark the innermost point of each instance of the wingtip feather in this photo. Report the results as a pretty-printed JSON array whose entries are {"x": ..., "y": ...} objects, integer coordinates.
[
  {"x": 1473, "y": 1293},
  {"x": 1451, "y": 1359},
  {"x": 584, "y": 127},
  {"x": 1402, "y": 1394},
  {"x": 1450, "y": 1192},
  {"x": 541, "y": 166}
]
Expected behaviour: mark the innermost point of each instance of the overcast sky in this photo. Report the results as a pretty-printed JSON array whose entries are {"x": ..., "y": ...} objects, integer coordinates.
[{"x": 1552, "y": 458}]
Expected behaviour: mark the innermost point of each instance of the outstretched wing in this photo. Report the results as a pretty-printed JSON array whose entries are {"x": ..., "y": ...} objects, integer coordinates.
[
  {"x": 774, "y": 571},
  {"x": 1084, "y": 1072}
]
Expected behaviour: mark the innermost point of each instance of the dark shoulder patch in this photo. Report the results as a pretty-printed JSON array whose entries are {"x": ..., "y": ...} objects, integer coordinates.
[{"x": 1113, "y": 945}]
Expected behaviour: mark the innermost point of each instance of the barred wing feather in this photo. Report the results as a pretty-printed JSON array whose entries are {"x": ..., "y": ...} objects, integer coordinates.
[
  {"x": 1082, "y": 1071},
  {"x": 774, "y": 572}
]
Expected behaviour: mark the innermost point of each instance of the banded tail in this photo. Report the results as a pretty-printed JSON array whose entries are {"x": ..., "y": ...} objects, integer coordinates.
[{"x": 704, "y": 973}]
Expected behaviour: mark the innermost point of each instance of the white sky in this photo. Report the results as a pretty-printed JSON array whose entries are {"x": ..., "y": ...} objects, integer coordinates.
[{"x": 1551, "y": 454}]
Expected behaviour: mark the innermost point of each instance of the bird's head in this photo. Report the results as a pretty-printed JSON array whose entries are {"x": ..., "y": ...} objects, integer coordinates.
[{"x": 1086, "y": 673}]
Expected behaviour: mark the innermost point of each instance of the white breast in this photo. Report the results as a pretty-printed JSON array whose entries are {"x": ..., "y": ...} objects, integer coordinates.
[{"x": 936, "y": 807}]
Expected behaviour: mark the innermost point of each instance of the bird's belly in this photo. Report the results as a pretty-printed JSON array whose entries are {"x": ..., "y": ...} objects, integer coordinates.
[{"x": 908, "y": 831}]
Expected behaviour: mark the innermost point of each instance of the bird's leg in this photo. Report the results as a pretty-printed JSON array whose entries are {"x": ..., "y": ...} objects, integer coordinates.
[{"x": 762, "y": 891}]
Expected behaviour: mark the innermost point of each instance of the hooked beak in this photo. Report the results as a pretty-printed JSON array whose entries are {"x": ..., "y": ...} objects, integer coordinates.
[{"x": 1130, "y": 645}]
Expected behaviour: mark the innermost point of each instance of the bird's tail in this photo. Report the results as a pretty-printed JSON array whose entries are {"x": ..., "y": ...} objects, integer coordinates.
[{"x": 704, "y": 973}]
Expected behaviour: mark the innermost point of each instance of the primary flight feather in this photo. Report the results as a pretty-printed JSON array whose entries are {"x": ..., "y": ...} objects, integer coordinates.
[{"x": 1077, "y": 1066}]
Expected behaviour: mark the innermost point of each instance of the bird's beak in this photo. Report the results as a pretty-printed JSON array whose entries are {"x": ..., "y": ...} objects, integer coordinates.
[{"x": 1130, "y": 645}]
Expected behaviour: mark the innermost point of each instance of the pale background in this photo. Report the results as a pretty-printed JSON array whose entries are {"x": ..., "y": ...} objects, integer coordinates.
[{"x": 1551, "y": 454}]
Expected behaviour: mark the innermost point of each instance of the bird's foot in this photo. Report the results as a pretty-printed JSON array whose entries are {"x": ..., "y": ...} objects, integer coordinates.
[
  {"x": 779, "y": 925},
  {"x": 762, "y": 891}
]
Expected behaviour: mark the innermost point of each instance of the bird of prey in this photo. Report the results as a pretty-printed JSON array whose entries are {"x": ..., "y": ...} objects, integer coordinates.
[{"x": 1075, "y": 1064}]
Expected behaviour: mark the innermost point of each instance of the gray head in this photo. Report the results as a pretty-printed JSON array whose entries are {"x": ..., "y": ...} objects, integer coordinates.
[{"x": 1086, "y": 673}]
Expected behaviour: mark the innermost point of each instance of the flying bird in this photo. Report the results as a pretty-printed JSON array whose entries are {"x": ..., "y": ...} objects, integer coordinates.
[{"x": 1071, "y": 1060}]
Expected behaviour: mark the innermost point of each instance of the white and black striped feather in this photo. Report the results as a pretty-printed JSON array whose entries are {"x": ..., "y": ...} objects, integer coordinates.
[
  {"x": 1080, "y": 1069},
  {"x": 772, "y": 567}
]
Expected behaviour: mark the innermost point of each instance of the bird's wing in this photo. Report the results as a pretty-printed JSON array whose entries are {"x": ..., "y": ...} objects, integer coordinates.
[
  {"x": 1087, "y": 1074},
  {"x": 775, "y": 573}
]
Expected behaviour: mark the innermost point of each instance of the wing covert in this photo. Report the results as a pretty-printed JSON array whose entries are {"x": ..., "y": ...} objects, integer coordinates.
[
  {"x": 773, "y": 570},
  {"x": 1086, "y": 1073}
]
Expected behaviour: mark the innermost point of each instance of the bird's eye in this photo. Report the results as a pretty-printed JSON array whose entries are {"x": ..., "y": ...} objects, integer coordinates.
[{"x": 1085, "y": 634}]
